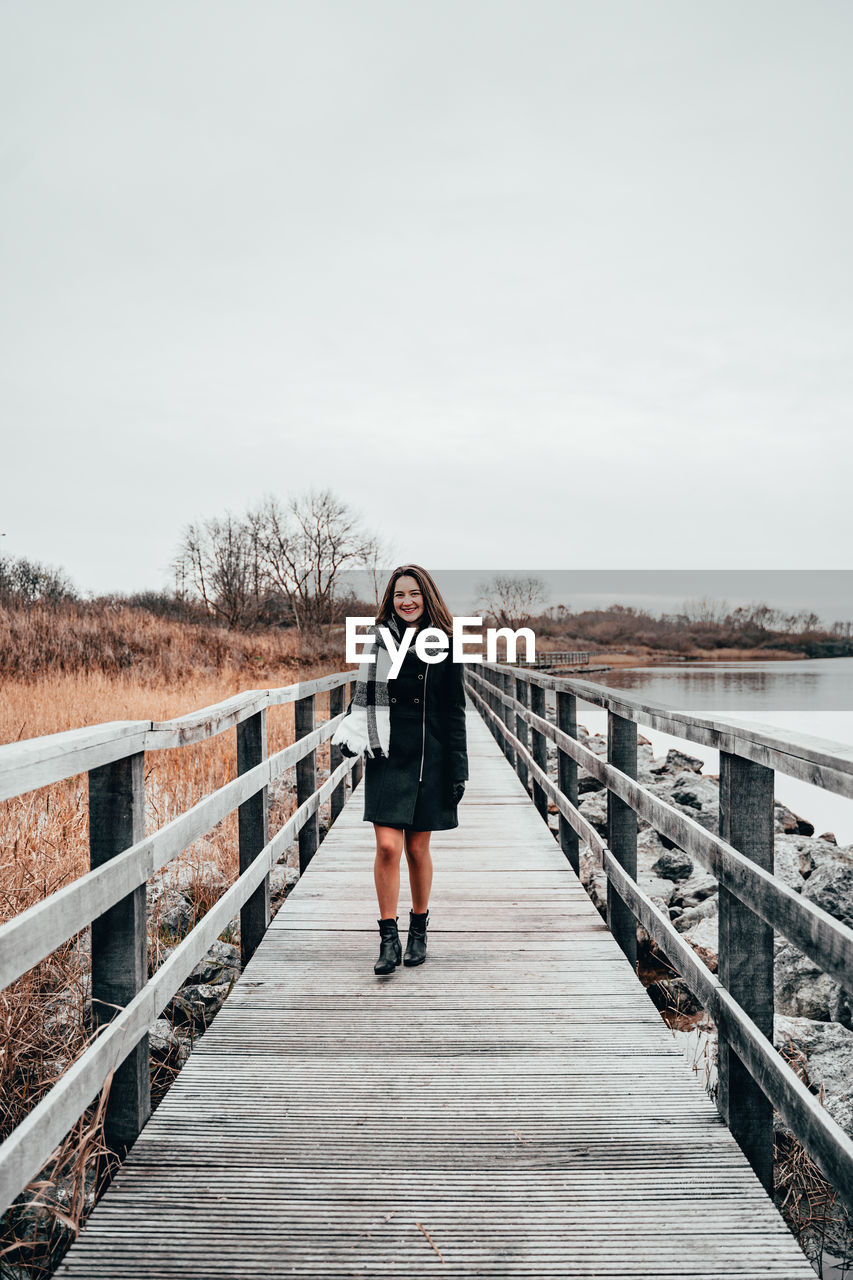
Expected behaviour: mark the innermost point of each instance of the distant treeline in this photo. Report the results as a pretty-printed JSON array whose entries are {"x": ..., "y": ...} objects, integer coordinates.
[
  {"x": 45, "y": 625},
  {"x": 702, "y": 626}
]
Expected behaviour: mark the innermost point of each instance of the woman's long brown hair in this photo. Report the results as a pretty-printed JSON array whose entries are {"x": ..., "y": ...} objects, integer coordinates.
[{"x": 436, "y": 612}]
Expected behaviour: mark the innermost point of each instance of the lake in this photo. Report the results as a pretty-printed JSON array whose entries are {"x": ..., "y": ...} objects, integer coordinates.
[{"x": 810, "y": 696}]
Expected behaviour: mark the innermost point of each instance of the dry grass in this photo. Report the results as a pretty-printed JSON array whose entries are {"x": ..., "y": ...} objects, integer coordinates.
[{"x": 44, "y": 1019}]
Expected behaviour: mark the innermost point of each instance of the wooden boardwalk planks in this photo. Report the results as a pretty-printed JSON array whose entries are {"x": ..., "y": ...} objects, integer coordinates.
[{"x": 513, "y": 1107}]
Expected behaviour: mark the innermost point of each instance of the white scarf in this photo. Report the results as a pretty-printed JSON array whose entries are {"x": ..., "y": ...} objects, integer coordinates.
[{"x": 366, "y": 723}]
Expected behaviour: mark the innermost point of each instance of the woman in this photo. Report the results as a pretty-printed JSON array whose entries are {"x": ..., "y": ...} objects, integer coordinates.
[{"x": 412, "y": 730}]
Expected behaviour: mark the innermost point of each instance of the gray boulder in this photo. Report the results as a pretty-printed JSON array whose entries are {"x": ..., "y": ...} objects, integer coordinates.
[
  {"x": 656, "y": 888},
  {"x": 220, "y": 963},
  {"x": 673, "y": 864},
  {"x": 693, "y": 791},
  {"x": 803, "y": 990},
  {"x": 282, "y": 879},
  {"x": 593, "y": 806},
  {"x": 171, "y": 911},
  {"x": 698, "y": 886},
  {"x": 828, "y": 1050},
  {"x": 188, "y": 878},
  {"x": 786, "y": 820},
  {"x": 199, "y": 1003},
  {"x": 674, "y": 762},
  {"x": 831, "y": 887}
]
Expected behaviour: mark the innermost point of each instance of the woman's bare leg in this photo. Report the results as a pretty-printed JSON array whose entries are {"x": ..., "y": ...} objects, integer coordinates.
[
  {"x": 386, "y": 869},
  {"x": 420, "y": 868}
]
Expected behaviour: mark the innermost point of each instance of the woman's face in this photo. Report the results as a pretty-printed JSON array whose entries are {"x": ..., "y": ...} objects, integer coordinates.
[{"x": 408, "y": 601}]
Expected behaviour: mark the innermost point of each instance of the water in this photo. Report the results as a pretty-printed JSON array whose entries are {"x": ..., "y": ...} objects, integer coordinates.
[{"x": 811, "y": 696}]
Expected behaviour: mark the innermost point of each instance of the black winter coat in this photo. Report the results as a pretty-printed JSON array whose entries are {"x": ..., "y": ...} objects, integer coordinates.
[{"x": 427, "y": 751}]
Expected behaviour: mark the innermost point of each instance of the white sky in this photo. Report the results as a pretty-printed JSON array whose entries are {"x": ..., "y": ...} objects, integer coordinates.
[{"x": 532, "y": 284}]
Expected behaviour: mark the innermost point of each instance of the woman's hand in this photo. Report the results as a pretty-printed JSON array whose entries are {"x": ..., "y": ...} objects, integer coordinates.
[
  {"x": 457, "y": 790},
  {"x": 345, "y": 751}
]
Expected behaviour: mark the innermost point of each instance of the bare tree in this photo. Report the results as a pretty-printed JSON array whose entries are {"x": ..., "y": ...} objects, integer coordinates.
[
  {"x": 304, "y": 546},
  {"x": 509, "y": 601},
  {"x": 379, "y": 557},
  {"x": 219, "y": 561},
  {"x": 705, "y": 610},
  {"x": 25, "y": 581}
]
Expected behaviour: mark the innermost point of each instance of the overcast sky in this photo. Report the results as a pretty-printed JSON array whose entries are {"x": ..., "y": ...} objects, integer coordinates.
[{"x": 531, "y": 285}]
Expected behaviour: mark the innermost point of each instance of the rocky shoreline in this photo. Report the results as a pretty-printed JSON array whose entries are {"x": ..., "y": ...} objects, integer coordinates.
[{"x": 813, "y": 1020}]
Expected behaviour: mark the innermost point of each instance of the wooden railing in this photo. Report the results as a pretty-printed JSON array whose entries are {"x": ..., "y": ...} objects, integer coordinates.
[
  {"x": 560, "y": 658},
  {"x": 112, "y": 895},
  {"x": 753, "y": 1078}
]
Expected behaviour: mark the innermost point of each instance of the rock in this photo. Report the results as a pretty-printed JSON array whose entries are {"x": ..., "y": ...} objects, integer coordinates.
[
  {"x": 656, "y": 888},
  {"x": 673, "y": 864},
  {"x": 282, "y": 878},
  {"x": 674, "y": 995},
  {"x": 698, "y": 886},
  {"x": 172, "y": 912},
  {"x": 587, "y": 783},
  {"x": 828, "y": 1049},
  {"x": 708, "y": 909},
  {"x": 674, "y": 761},
  {"x": 791, "y": 860},
  {"x": 588, "y": 863},
  {"x": 829, "y": 836},
  {"x": 199, "y": 1003},
  {"x": 786, "y": 820},
  {"x": 219, "y": 965},
  {"x": 803, "y": 990},
  {"x": 695, "y": 792},
  {"x": 649, "y": 848},
  {"x": 704, "y": 939},
  {"x": 597, "y": 890},
  {"x": 594, "y": 808},
  {"x": 162, "y": 1039},
  {"x": 188, "y": 878},
  {"x": 831, "y": 887}
]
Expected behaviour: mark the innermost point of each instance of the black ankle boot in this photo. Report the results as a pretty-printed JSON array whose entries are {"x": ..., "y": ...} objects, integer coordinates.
[
  {"x": 389, "y": 947},
  {"x": 416, "y": 945}
]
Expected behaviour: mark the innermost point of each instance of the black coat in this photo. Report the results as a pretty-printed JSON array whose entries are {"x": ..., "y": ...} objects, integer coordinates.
[{"x": 427, "y": 750}]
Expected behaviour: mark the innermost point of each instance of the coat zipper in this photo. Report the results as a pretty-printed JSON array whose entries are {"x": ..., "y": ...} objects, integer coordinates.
[{"x": 423, "y": 727}]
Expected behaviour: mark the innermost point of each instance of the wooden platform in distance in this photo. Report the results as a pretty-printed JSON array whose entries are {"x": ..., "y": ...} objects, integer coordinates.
[{"x": 513, "y": 1107}]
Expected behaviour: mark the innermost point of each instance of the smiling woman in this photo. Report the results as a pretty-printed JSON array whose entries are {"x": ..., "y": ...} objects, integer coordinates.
[{"x": 411, "y": 728}]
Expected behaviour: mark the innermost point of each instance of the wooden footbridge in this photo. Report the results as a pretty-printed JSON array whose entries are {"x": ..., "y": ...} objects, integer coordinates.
[{"x": 514, "y": 1107}]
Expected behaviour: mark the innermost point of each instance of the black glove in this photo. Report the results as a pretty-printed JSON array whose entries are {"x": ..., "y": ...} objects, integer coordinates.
[
  {"x": 345, "y": 751},
  {"x": 457, "y": 790}
]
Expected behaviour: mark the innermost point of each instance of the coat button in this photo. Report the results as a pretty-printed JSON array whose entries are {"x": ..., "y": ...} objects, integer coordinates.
[
  {"x": 420, "y": 677},
  {"x": 417, "y": 699},
  {"x": 393, "y": 699}
]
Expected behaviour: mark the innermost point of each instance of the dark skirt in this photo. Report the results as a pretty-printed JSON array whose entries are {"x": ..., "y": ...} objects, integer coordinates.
[{"x": 394, "y": 796}]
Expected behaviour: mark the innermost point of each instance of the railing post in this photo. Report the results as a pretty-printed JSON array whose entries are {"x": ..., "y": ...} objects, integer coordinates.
[
  {"x": 306, "y": 780},
  {"x": 521, "y": 727},
  {"x": 358, "y": 765},
  {"x": 338, "y": 796},
  {"x": 507, "y": 715},
  {"x": 567, "y": 776},
  {"x": 119, "y": 939},
  {"x": 622, "y": 832},
  {"x": 746, "y": 956},
  {"x": 253, "y": 832},
  {"x": 538, "y": 748}
]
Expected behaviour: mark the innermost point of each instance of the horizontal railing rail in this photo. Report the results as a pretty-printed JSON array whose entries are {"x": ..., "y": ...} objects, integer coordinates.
[
  {"x": 111, "y": 897},
  {"x": 754, "y": 1078},
  {"x": 554, "y": 659}
]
